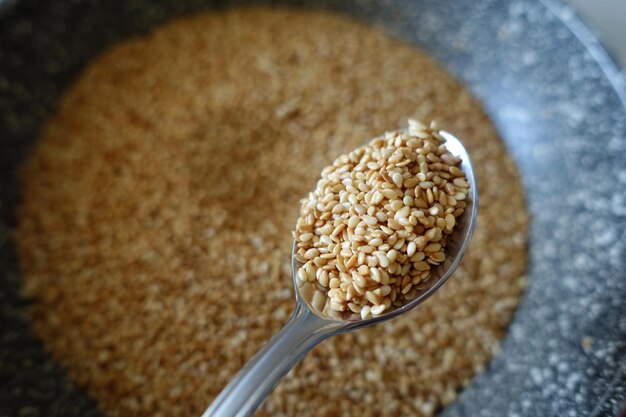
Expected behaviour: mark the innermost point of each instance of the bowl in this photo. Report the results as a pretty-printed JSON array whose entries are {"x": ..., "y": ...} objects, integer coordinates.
[{"x": 558, "y": 102}]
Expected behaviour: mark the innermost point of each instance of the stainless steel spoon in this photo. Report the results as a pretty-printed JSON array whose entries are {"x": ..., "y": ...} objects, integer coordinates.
[{"x": 311, "y": 322}]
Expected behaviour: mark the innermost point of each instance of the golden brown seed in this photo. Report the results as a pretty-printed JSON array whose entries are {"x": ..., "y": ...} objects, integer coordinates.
[
  {"x": 433, "y": 247},
  {"x": 438, "y": 256},
  {"x": 382, "y": 259},
  {"x": 450, "y": 222},
  {"x": 375, "y": 274},
  {"x": 377, "y": 197},
  {"x": 372, "y": 298},
  {"x": 455, "y": 171},
  {"x": 421, "y": 242},
  {"x": 359, "y": 280},
  {"x": 396, "y": 205},
  {"x": 389, "y": 193},
  {"x": 411, "y": 248},
  {"x": 398, "y": 179},
  {"x": 302, "y": 276},
  {"x": 377, "y": 310},
  {"x": 322, "y": 277},
  {"x": 370, "y": 220},
  {"x": 418, "y": 257},
  {"x": 421, "y": 266},
  {"x": 311, "y": 253},
  {"x": 430, "y": 196},
  {"x": 460, "y": 182}
]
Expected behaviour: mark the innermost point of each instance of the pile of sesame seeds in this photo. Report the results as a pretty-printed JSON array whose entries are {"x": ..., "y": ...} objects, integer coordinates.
[
  {"x": 155, "y": 230},
  {"x": 379, "y": 219}
]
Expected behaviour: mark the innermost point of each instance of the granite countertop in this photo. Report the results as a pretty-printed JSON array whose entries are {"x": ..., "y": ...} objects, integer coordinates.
[{"x": 607, "y": 18}]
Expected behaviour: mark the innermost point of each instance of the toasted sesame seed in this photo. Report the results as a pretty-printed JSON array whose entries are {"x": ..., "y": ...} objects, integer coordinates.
[
  {"x": 430, "y": 196},
  {"x": 382, "y": 259},
  {"x": 455, "y": 171},
  {"x": 421, "y": 266},
  {"x": 352, "y": 261},
  {"x": 370, "y": 220},
  {"x": 365, "y": 312},
  {"x": 355, "y": 308},
  {"x": 433, "y": 247},
  {"x": 381, "y": 216},
  {"x": 359, "y": 280},
  {"x": 387, "y": 230},
  {"x": 377, "y": 310},
  {"x": 450, "y": 222},
  {"x": 302, "y": 276},
  {"x": 372, "y": 298},
  {"x": 421, "y": 242},
  {"x": 337, "y": 305},
  {"x": 396, "y": 205},
  {"x": 322, "y": 277},
  {"x": 398, "y": 179},
  {"x": 367, "y": 249},
  {"x": 437, "y": 256},
  {"x": 403, "y": 212},
  {"x": 334, "y": 283},
  {"x": 375, "y": 242},
  {"x": 377, "y": 197},
  {"x": 410, "y": 249},
  {"x": 389, "y": 193},
  {"x": 305, "y": 237}
]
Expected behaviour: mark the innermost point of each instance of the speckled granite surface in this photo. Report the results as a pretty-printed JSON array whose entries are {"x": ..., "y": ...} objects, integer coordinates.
[{"x": 559, "y": 104}]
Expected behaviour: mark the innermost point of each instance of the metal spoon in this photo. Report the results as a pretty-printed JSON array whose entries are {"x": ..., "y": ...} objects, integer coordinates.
[{"x": 312, "y": 321}]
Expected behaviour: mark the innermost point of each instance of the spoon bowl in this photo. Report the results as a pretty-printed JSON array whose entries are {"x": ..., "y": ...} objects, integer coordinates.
[
  {"x": 313, "y": 296},
  {"x": 313, "y": 321}
]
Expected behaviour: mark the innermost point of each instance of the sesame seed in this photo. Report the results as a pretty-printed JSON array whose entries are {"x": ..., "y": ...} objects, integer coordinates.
[
  {"x": 421, "y": 266},
  {"x": 450, "y": 222},
  {"x": 377, "y": 197},
  {"x": 382, "y": 259},
  {"x": 372, "y": 298},
  {"x": 410, "y": 249},
  {"x": 455, "y": 171},
  {"x": 302, "y": 276},
  {"x": 377, "y": 310},
  {"x": 398, "y": 179},
  {"x": 365, "y": 312},
  {"x": 437, "y": 256},
  {"x": 370, "y": 220}
]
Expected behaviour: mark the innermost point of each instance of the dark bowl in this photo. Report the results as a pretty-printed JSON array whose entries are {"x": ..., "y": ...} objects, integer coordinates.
[{"x": 558, "y": 102}]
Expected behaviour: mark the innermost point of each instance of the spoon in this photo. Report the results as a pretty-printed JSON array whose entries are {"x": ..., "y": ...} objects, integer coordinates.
[{"x": 312, "y": 321}]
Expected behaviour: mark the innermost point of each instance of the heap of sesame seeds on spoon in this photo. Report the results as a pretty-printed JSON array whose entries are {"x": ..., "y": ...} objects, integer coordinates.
[
  {"x": 378, "y": 221},
  {"x": 370, "y": 244}
]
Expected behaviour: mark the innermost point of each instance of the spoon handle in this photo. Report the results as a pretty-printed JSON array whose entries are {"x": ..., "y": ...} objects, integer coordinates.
[{"x": 248, "y": 389}]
